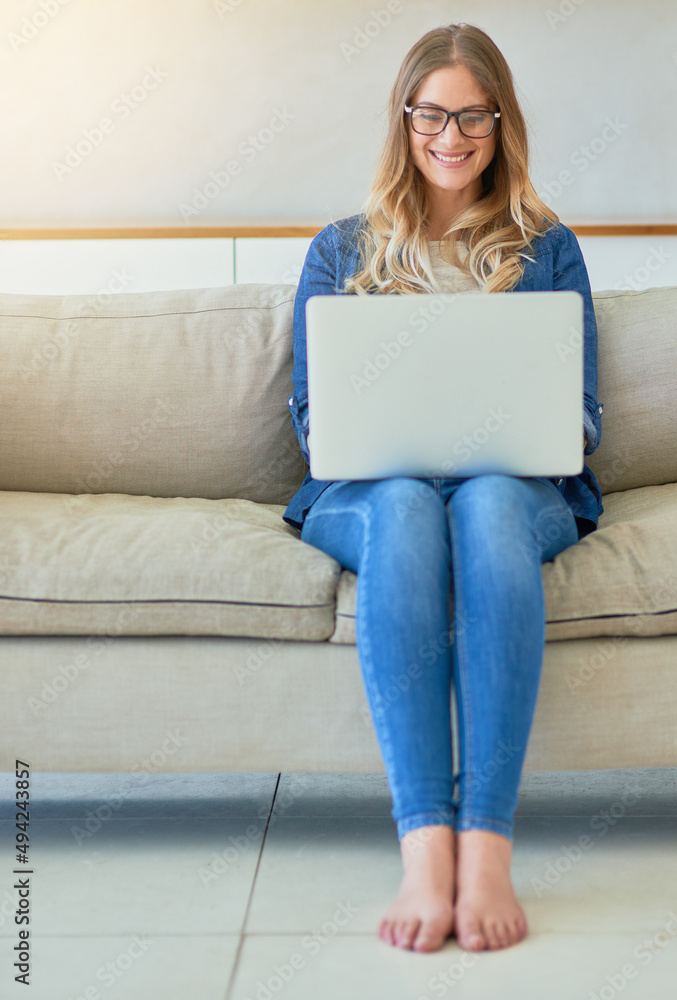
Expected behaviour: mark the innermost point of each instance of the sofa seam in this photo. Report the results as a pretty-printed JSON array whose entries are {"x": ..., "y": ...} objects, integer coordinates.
[
  {"x": 165, "y": 600},
  {"x": 173, "y": 312}
]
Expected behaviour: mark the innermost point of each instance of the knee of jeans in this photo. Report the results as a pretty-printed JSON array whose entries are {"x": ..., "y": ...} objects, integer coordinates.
[
  {"x": 398, "y": 511},
  {"x": 407, "y": 501},
  {"x": 489, "y": 503},
  {"x": 490, "y": 492}
]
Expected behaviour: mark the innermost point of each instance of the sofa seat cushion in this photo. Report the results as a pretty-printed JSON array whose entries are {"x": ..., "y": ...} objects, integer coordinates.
[
  {"x": 142, "y": 565},
  {"x": 619, "y": 580}
]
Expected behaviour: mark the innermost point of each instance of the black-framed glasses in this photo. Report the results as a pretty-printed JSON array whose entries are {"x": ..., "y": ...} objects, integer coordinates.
[{"x": 431, "y": 121}]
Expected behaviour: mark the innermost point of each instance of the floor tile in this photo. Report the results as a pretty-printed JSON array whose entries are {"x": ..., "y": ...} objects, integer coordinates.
[
  {"x": 310, "y": 865},
  {"x": 621, "y": 878},
  {"x": 174, "y": 876},
  {"x": 562, "y": 967},
  {"x": 172, "y": 858},
  {"x": 130, "y": 967},
  {"x": 618, "y": 878}
]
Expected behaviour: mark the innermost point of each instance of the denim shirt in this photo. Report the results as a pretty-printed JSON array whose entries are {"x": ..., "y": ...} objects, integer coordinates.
[{"x": 553, "y": 263}]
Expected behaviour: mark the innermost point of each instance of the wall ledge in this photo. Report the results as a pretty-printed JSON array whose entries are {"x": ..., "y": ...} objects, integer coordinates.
[{"x": 273, "y": 231}]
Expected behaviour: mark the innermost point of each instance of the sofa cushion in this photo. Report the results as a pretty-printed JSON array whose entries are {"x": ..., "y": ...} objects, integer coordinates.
[
  {"x": 169, "y": 394},
  {"x": 620, "y": 580},
  {"x": 637, "y": 332},
  {"x": 139, "y": 565}
]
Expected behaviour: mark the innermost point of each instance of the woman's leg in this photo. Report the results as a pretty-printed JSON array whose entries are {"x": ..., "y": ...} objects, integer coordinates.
[
  {"x": 394, "y": 534},
  {"x": 502, "y": 529}
]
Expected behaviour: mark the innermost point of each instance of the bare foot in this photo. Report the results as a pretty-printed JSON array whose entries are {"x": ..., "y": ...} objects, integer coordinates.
[
  {"x": 486, "y": 912},
  {"x": 422, "y": 916}
]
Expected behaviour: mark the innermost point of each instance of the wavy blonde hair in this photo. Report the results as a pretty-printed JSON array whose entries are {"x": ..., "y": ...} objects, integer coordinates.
[{"x": 393, "y": 239}]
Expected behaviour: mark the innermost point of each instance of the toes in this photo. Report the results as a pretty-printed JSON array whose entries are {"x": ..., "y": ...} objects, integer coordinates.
[
  {"x": 385, "y": 931},
  {"x": 502, "y": 934},
  {"x": 474, "y": 942},
  {"x": 497, "y": 935},
  {"x": 427, "y": 940},
  {"x": 520, "y": 928},
  {"x": 472, "y": 938},
  {"x": 406, "y": 932},
  {"x": 398, "y": 933}
]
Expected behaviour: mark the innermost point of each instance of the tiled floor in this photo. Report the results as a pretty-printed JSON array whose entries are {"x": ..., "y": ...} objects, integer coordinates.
[{"x": 243, "y": 887}]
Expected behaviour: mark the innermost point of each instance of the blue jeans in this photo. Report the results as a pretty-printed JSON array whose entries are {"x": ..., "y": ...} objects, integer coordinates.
[{"x": 414, "y": 543}]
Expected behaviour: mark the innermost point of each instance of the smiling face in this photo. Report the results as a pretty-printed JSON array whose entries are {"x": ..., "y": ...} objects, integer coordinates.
[{"x": 452, "y": 185}]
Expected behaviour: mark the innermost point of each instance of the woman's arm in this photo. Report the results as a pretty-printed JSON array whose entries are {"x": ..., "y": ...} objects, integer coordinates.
[
  {"x": 570, "y": 273},
  {"x": 318, "y": 277}
]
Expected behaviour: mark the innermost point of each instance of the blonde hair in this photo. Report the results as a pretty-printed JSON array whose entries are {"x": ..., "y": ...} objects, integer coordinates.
[{"x": 393, "y": 242}]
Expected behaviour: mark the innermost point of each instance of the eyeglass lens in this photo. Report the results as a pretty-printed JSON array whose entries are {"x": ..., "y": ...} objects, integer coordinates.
[{"x": 474, "y": 124}]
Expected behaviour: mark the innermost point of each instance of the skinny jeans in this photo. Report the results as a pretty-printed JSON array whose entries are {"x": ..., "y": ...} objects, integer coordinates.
[{"x": 450, "y": 605}]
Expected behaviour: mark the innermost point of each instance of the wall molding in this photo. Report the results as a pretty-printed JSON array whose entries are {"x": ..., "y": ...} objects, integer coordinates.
[
  {"x": 241, "y": 231},
  {"x": 234, "y": 231}
]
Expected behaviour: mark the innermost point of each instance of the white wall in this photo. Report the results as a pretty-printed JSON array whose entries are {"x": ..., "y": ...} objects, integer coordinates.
[
  {"x": 62, "y": 267},
  {"x": 283, "y": 101}
]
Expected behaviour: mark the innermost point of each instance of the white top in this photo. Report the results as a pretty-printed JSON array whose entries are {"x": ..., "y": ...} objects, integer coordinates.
[{"x": 450, "y": 278}]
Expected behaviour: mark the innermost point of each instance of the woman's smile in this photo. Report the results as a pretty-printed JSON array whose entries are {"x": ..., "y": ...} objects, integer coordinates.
[{"x": 450, "y": 160}]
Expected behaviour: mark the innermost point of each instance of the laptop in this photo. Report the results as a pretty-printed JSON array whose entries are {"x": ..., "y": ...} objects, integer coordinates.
[{"x": 447, "y": 385}]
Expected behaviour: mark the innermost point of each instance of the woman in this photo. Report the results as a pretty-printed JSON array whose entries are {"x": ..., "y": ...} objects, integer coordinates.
[{"x": 451, "y": 209}]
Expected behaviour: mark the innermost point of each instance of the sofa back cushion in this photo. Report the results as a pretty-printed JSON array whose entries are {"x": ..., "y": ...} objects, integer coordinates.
[
  {"x": 184, "y": 393},
  {"x": 168, "y": 394},
  {"x": 637, "y": 383}
]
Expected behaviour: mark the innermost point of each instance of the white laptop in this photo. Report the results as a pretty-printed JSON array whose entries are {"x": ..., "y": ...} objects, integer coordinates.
[{"x": 447, "y": 385}]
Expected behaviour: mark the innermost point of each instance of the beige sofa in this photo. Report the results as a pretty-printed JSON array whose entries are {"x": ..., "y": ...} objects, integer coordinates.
[{"x": 156, "y": 612}]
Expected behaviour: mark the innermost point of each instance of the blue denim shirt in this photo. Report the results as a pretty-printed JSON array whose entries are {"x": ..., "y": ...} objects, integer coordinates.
[{"x": 554, "y": 263}]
